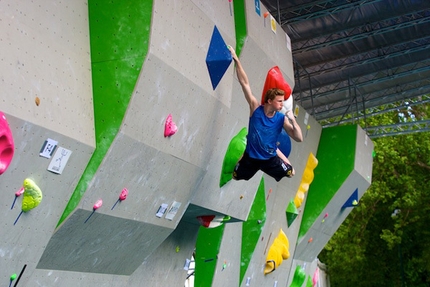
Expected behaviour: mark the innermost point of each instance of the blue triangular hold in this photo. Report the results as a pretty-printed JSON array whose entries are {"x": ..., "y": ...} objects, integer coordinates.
[
  {"x": 218, "y": 58},
  {"x": 352, "y": 200}
]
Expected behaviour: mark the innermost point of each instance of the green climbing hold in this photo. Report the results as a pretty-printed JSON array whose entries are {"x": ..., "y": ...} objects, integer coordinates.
[
  {"x": 299, "y": 277},
  {"x": 234, "y": 152},
  {"x": 291, "y": 212},
  {"x": 32, "y": 195}
]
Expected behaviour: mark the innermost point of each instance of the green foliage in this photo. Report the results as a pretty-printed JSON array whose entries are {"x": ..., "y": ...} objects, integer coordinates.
[{"x": 376, "y": 246}]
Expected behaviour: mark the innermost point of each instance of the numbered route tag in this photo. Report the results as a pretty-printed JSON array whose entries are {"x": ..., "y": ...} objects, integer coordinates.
[{"x": 48, "y": 148}]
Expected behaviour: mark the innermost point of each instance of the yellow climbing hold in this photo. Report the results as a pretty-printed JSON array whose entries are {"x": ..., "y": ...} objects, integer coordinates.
[
  {"x": 32, "y": 195},
  {"x": 278, "y": 252},
  {"x": 307, "y": 178}
]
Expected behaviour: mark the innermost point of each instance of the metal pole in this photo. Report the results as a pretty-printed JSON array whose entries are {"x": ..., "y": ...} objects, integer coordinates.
[{"x": 352, "y": 101}]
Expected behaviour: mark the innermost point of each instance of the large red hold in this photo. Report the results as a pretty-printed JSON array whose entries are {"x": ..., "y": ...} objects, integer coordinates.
[{"x": 274, "y": 79}]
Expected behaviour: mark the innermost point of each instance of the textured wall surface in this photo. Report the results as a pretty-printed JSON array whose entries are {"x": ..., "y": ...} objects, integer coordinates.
[
  {"x": 46, "y": 54},
  {"x": 345, "y": 169},
  {"x": 46, "y": 94},
  {"x": 107, "y": 74}
]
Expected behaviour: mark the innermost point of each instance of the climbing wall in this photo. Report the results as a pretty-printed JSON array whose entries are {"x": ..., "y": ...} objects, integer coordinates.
[
  {"x": 97, "y": 83},
  {"x": 47, "y": 101},
  {"x": 343, "y": 175},
  {"x": 245, "y": 246}
]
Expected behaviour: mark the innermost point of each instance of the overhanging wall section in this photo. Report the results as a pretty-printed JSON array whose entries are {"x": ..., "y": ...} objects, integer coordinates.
[{"x": 344, "y": 170}]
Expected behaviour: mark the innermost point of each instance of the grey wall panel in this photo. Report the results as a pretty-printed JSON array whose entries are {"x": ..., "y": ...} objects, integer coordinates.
[
  {"x": 104, "y": 244},
  {"x": 363, "y": 162},
  {"x": 152, "y": 178},
  {"x": 46, "y": 54},
  {"x": 230, "y": 256},
  {"x": 165, "y": 267},
  {"x": 220, "y": 13},
  {"x": 57, "y": 278},
  {"x": 275, "y": 45},
  {"x": 24, "y": 242},
  {"x": 181, "y": 33},
  {"x": 199, "y": 117}
]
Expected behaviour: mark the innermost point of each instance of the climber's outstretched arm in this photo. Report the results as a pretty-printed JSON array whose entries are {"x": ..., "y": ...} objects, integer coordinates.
[{"x": 244, "y": 82}]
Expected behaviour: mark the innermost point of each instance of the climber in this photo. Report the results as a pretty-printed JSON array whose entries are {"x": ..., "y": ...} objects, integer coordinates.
[{"x": 265, "y": 124}]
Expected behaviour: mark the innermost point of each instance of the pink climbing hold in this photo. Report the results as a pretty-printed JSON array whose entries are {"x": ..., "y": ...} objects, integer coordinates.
[
  {"x": 315, "y": 278},
  {"x": 170, "y": 127},
  {"x": 123, "y": 194},
  {"x": 19, "y": 192},
  {"x": 98, "y": 204},
  {"x": 122, "y": 197},
  {"x": 7, "y": 147}
]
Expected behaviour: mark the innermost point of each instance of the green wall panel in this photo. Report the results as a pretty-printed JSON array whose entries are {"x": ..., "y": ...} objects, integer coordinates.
[
  {"x": 207, "y": 249},
  {"x": 119, "y": 37},
  {"x": 240, "y": 24},
  {"x": 336, "y": 157},
  {"x": 252, "y": 228}
]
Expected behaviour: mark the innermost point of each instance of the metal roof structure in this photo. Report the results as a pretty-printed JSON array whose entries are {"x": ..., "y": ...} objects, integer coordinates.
[{"x": 355, "y": 56}]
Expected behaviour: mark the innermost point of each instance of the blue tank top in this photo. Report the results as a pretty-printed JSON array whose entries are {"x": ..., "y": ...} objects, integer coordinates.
[{"x": 263, "y": 133}]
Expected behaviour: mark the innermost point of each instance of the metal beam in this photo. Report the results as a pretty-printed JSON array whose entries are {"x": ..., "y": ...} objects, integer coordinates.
[
  {"x": 399, "y": 129},
  {"x": 330, "y": 90},
  {"x": 388, "y": 99},
  {"x": 395, "y": 94},
  {"x": 351, "y": 38},
  {"x": 365, "y": 58},
  {"x": 320, "y": 9},
  {"x": 389, "y": 107}
]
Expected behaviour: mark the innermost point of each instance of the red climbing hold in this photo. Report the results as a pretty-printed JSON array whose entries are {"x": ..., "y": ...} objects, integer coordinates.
[{"x": 274, "y": 79}]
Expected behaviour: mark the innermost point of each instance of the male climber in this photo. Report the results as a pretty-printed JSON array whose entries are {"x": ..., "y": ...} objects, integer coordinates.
[{"x": 265, "y": 124}]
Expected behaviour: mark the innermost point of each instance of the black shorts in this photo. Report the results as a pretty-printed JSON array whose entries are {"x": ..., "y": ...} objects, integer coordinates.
[{"x": 275, "y": 167}]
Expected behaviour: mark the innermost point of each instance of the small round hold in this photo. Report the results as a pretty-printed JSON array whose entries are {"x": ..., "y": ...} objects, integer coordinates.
[
  {"x": 241, "y": 196},
  {"x": 259, "y": 221},
  {"x": 13, "y": 277},
  {"x": 37, "y": 101}
]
